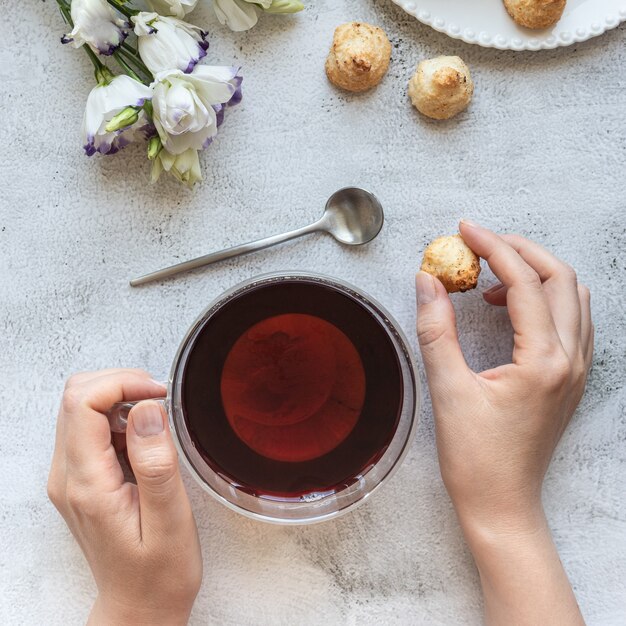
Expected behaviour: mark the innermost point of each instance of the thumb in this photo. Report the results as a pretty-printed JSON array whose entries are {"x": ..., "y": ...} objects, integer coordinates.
[
  {"x": 437, "y": 335},
  {"x": 164, "y": 506}
]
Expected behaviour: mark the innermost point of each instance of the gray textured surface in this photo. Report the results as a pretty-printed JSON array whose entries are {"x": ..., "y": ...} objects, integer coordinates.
[{"x": 541, "y": 151}]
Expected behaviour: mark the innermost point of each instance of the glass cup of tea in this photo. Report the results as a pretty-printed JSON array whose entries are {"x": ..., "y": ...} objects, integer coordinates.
[{"x": 291, "y": 398}]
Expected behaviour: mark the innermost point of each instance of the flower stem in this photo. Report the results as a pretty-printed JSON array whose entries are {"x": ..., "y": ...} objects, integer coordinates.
[
  {"x": 65, "y": 12},
  {"x": 131, "y": 55},
  {"x": 128, "y": 69},
  {"x": 97, "y": 63},
  {"x": 63, "y": 5},
  {"x": 119, "y": 6},
  {"x": 130, "y": 49}
]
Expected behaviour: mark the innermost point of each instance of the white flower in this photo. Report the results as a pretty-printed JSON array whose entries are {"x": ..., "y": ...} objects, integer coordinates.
[
  {"x": 242, "y": 14},
  {"x": 167, "y": 43},
  {"x": 188, "y": 108},
  {"x": 238, "y": 15},
  {"x": 185, "y": 167},
  {"x": 177, "y": 8},
  {"x": 97, "y": 25},
  {"x": 104, "y": 103},
  {"x": 285, "y": 6}
]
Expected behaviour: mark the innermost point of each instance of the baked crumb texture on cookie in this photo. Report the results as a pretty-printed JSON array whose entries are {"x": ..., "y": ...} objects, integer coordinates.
[
  {"x": 441, "y": 87},
  {"x": 359, "y": 56},
  {"x": 535, "y": 13},
  {"x": 453, "y": 262}
]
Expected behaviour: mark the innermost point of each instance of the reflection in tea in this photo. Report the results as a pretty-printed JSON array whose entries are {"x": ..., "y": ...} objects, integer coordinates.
[{"x": 293, "y": 387}]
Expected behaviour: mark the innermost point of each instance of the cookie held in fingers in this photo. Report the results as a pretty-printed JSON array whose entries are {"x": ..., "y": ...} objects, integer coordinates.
[
  {"x": 441, "y": 87},
  {"x": 535, "y": 13},
  {"x": 453, "y": 262},
  {"x": 359, "y": 56}
]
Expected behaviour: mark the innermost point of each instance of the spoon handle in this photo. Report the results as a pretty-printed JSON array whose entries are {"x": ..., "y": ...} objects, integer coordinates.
[{"x": 244, "y": 248}]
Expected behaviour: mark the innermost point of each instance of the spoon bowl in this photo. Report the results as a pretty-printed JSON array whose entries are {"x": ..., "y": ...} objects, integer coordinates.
[{"x": 353, "y": 216}]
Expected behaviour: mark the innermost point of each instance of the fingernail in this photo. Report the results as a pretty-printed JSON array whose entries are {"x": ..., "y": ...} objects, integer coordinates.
[
  {"x": 494, "y": 288},
  {"x": 469, "y": 223},
  {"x": 158, "y": 383},
  {"x": 148, "y": 419},
  {"x": 425, "y": 288}
]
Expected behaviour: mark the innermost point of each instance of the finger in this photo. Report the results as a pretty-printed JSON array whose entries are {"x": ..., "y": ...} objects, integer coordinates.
[
  {"x": 87, "y": 433},
  {"x": 560, "y": 285},
  {"x": 163, "y": 500},
  {"x": 83, "y": 377},
  {"x": 496, "y": 295},
  {"x": 586, "y": 326},
  {"x": 589, "y": 351},
  {"x": 80, "y": 378},
  {"x": 436, "y": 331},
  {"x": 57, "y": 476},
  {"x": 584, "y": 298},
  {"x": 526, "y": 301}
]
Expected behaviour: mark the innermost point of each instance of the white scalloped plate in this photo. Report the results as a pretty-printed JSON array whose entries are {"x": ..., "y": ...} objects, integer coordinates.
[{"x": 486, "y": 22}]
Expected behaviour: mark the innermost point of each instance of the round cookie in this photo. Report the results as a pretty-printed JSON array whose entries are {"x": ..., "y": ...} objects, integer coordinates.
[
  {"x": 535, "y": 13},
  {"x": 441, "y": 87},
  {"x": 359, "y": 56},
  {"x": 453, "y": 262}
]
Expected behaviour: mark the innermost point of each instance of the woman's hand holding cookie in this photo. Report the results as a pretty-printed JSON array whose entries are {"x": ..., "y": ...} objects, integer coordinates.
[{"x": 497, "y": 429}]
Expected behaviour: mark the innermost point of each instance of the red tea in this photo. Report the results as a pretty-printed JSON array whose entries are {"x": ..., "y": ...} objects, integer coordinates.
[{"x": 293, "y": 387}]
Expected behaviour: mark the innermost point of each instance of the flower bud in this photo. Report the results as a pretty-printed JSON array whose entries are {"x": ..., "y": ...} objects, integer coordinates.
[
  {"x": 126, "y": 117},
  {"x": 185, "y": 167},
  {"x": 154, "y": 147}
]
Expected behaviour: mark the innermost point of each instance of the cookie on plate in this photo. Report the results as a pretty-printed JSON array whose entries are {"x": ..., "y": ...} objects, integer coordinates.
[
  {"x": 453, "y": 262},
  {"x": 535, "y": 13},
  {"x": 359, "y": 56},
  {"x": 441, "y": 87}
]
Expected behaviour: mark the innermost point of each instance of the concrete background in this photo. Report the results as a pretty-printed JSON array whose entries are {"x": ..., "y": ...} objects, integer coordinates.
[{"x": 541, "y": 151}]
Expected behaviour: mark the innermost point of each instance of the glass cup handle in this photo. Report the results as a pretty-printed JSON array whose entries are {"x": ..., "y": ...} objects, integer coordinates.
[{"x": 118, "y": 413}]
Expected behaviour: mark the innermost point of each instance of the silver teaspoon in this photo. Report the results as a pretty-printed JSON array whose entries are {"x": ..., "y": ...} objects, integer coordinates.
[{"x": 352, "y": 216}]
